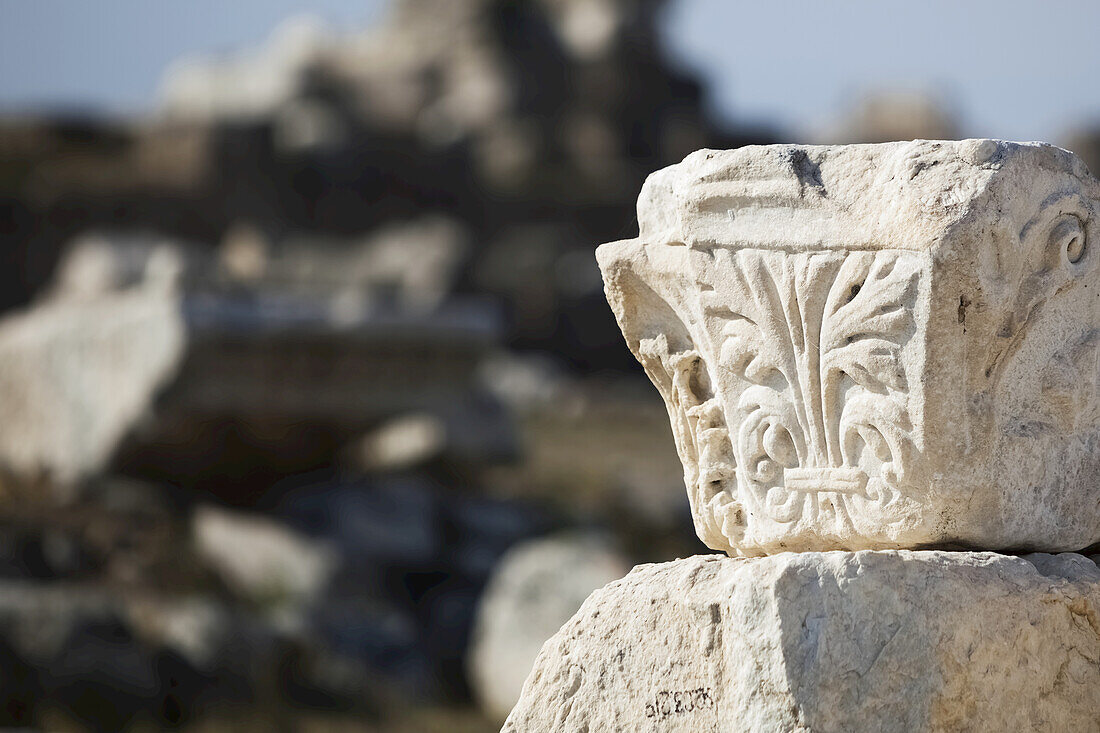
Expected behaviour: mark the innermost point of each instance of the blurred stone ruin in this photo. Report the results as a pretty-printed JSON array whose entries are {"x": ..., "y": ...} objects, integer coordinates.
[{"x": 290, "y": 363}]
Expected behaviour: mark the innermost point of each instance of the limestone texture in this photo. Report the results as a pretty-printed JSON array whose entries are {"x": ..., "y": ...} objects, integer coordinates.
[
  {"x": 835, "y": 641},
  {"x": 874, "y": 346}
]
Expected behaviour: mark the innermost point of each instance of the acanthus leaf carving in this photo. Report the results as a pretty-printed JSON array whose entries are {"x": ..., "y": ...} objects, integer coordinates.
[{"x": 815, "y": 340}]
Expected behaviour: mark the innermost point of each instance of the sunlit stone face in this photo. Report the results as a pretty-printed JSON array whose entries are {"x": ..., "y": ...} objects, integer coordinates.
[{"x": 875, "y": 345}]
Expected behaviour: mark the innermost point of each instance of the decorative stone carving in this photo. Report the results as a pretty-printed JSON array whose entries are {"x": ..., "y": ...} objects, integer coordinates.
[
  {"x": 835, "y": 641},
  {"x": 874, "y": 346}
]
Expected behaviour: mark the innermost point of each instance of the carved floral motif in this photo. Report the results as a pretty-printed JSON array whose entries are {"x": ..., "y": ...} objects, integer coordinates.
[{"x": 815, "y": 342}]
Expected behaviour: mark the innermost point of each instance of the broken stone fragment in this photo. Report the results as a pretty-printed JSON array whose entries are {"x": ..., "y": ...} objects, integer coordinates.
[
  {"x": 261, "y": 559},
  {"x": 77, "y": 373},
  {"x": 874, "y": 346},
  {"x": 535, "y": 588},
  {"x": 837, "y": 641}
]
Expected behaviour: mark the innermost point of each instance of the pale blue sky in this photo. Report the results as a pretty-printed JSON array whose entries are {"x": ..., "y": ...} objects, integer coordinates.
[
  {"x": 1017, "y": 69},
  {"x": 1012, "y": 69}
]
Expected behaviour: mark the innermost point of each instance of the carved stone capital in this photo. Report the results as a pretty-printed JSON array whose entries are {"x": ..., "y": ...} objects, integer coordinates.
[{"x": 874, "y": 346}]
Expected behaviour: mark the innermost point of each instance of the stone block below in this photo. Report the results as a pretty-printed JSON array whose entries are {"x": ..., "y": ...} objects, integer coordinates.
[{"x": 834, "y": 641}]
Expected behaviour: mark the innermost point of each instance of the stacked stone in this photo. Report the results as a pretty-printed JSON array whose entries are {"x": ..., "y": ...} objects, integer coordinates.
[{"x": 881, "y": 365}]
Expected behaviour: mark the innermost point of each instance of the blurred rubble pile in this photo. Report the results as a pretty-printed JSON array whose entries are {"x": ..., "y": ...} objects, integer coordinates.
[{"x": 290, "y": 364}]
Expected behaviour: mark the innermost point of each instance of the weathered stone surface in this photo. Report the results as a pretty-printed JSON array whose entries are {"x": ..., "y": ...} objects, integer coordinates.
[
  {"x": 874, "y": 346},
  {"x": 836, "y": 641},
  {"x": 536, "y": 588}
]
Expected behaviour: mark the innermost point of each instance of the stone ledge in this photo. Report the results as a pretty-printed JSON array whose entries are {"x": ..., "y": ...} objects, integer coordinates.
[{"x": 833, "y": 641}]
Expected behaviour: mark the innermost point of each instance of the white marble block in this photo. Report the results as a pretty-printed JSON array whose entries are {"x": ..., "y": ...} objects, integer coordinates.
[
  {"x": 874, "y": 346},
  {"x": 837, "y": 641}
]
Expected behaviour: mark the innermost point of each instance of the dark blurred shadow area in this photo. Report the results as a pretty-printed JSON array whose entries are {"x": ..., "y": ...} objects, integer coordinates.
[{"x": 314, "y": 414}]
